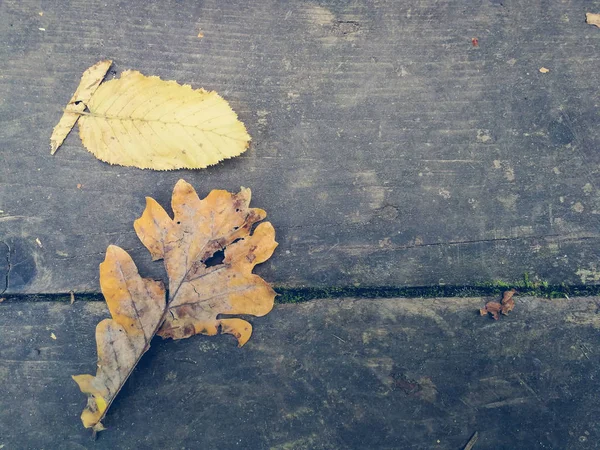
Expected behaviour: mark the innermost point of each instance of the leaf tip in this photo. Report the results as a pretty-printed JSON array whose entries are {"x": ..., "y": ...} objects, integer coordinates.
[
  {"x": 113, "y": 250},
  {"x": 182, "y": 184}
]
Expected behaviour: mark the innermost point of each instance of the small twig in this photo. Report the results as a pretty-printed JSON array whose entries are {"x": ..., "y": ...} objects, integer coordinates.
[{"x": 472, "y": 441}]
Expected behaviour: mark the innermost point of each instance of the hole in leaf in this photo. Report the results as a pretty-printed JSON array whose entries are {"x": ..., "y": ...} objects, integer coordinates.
[{"x": 217, "y": 258}]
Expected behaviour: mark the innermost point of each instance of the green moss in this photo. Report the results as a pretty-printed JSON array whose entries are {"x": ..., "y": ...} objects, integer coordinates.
[{"x": 524, "y": 286}]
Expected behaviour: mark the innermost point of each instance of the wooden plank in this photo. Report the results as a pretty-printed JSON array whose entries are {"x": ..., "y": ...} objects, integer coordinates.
[
  {"x": 330, "y": 374},
  {"x": 387, "y": 148}
]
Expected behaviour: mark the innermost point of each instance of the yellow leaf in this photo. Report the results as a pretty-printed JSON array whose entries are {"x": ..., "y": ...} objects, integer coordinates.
[
  {"x": 149, "y": 123},
  {"x": 544, "y": 70},
  {"x": 209, "y": 254},
  {"x": 90, "y": 81},
  {"x": 593, "y": 19}
]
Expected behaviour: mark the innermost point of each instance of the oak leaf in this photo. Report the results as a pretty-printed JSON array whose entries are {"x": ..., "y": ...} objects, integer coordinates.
[
  {"x": 150, "y": 123},
  {"x": 201, "y": 287}
]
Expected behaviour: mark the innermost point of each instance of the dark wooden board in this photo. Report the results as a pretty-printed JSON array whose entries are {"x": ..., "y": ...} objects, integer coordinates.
[
  {"x": 330, "y": 374},
  {"x": 387, "y": 148}
]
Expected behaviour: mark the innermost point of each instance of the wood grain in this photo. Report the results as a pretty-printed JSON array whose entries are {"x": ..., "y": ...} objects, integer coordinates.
[
  {"x": 328, "y": 374},
  {"x": 387, "y": 149}
]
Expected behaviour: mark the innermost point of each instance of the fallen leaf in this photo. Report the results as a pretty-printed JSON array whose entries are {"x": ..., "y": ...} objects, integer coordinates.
[
  {"x": 199, "y": 290},
  {"x": 593, "y": 19},
  {"x": 200, "y": 34},
  {"x": 150, "y": 123},
  {"x": 496, "y": 308},
  {"x": 475, "y": 42},
  {"x": 544, "y": 70},
  {"x": 209, "y": 254},
  {"x": 90, "y": 81},
  {"x": 53, "y": 336},
  {"x": 38, "y": 242}
]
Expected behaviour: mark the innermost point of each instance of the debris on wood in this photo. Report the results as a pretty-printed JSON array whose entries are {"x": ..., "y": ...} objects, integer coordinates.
[
  {"x": 504, "y": 307},
  {"x": 508, "y": 304}
]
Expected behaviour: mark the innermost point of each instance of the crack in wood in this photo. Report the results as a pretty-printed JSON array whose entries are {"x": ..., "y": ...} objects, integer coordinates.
[{"x": 8, "y": 267}]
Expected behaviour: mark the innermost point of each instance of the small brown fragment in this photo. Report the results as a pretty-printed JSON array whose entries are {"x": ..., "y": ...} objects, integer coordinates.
[
  {"x": 475, "y": 42},
  {"x": 493, "y": 308},
  {"x": 504, "y": 307},
  {"x": 79, "y": 185},
  {"x": 508, "y": 304},
  {"x": 593, "y": 19}
]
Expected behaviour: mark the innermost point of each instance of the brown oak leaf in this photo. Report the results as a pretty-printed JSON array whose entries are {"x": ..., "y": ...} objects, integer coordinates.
[{"x": 209, "y": 252}]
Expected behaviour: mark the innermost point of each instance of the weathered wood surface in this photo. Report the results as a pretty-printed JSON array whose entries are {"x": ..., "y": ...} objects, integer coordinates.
[
  {"x": 329, "y": 374},
  {"x": 388, "y": 149}
]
